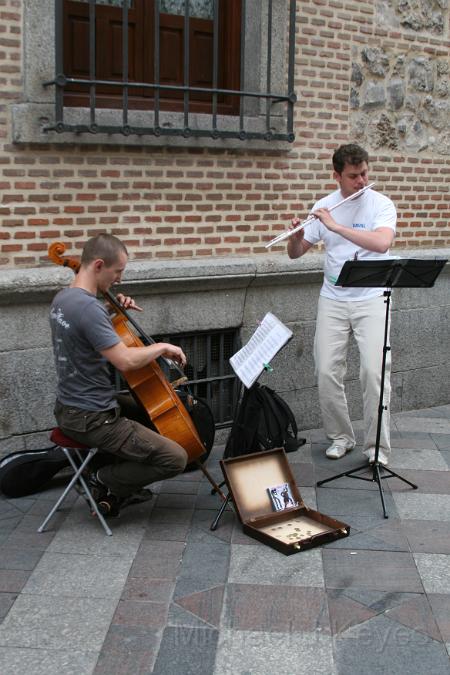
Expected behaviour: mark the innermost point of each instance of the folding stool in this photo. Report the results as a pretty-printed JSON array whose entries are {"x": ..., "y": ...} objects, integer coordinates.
[{"x": 83, "y": 455}]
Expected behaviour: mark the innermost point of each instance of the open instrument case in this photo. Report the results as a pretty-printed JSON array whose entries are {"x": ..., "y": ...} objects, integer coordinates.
[{"x": 270, "y": 506}]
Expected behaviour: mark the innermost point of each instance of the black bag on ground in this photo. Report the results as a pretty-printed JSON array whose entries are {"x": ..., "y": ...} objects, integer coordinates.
[
  {"x": 203, "y": 419},
  {"x": 263, "y": 421},
  {"x": 26, "y": 472}
]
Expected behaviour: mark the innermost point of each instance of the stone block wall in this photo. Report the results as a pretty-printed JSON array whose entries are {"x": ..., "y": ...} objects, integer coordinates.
[{"x": 400, "y": 91}]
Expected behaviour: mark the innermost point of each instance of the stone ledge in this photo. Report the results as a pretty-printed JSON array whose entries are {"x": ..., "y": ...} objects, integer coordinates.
[
  {"x": 37, "y": 284},
  {"x": 31, "y": 119}
]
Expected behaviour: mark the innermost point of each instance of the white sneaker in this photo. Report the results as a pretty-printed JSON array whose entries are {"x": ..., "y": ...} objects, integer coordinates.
[
  {"x": 381, "y": 460},
  {"x": 337, "y": 451}
]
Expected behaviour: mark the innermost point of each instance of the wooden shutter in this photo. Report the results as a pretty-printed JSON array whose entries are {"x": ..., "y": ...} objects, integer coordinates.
[{"x": 108, "y": 61}]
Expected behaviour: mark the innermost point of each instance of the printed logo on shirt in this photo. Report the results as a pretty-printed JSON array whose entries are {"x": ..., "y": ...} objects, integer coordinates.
[
  {"x": 58, "y": 316},
  {"x": 359, "y": 226}
]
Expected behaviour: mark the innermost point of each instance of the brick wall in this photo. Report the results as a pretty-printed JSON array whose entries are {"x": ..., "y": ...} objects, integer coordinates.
[{"x": 201, "y": 203}]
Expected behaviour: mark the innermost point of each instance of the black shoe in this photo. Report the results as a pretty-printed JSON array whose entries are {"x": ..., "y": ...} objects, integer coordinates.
[
  {"x": 109, "y": 505},
  {"x": 97, "y": 489},
  {"x": 139, "y": 497}
]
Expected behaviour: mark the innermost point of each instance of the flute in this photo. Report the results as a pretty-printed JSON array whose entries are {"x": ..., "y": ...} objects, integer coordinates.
[{"x": 311, "y": 217}]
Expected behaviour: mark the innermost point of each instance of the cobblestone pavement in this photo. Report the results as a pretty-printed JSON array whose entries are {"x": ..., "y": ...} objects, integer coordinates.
[{"x": 166, "y": 595}]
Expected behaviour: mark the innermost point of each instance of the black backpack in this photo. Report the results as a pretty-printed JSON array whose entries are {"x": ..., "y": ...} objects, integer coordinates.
[
  {"x": 26, "y": 472},
  {"x": 263, "y": 421}
]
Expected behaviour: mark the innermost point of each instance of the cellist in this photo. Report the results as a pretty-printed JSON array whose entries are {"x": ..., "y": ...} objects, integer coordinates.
[{"x": 87, "y": 407}]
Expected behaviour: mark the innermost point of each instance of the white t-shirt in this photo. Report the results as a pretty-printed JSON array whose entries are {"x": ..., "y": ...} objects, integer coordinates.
[{"x": 367, "y": 212}]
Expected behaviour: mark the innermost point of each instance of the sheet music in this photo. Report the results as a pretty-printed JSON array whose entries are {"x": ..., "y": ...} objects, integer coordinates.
[{"x": 270, "y": 336}]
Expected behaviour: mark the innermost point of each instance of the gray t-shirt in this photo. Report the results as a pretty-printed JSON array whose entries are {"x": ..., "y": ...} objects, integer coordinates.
[{"x": 81, "y": 328}]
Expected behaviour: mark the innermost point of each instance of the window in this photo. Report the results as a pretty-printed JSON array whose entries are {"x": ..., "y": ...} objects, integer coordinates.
[
  {"x": 145, "y": 42},
  {"x": 159, "y": 72}
]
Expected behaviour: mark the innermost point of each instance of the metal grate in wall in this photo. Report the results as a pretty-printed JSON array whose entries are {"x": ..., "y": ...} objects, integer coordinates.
[{"x": 208, "y": 369}]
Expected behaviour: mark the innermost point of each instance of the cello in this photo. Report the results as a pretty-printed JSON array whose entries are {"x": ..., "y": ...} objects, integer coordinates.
[{"x": 149, "y": 385}]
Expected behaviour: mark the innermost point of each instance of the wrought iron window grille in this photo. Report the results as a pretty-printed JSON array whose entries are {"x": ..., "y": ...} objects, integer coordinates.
[
  {"x": 210, "y": 375},
  {"x": 271, "y": 122}
]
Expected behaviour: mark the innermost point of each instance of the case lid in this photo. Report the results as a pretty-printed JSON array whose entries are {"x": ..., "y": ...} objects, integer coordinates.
[{"x": 250, "y": 478}]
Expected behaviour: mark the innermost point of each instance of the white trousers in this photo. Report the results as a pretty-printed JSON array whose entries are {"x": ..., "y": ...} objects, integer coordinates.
[{"x": 335, "y": 323}]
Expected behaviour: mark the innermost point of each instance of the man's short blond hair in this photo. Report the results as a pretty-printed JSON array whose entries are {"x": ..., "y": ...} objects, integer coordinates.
[{"x": 104, "y": 246}]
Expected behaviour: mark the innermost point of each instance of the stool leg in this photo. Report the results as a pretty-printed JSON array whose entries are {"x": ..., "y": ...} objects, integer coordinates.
[
  {"x": 94, "y": 505},
  {"x": 69, "y": 485},
  {"x": 77, "y": 477}
]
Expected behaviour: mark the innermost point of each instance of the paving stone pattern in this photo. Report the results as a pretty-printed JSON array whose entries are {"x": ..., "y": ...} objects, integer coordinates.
[{"x": 168, "y": 596}]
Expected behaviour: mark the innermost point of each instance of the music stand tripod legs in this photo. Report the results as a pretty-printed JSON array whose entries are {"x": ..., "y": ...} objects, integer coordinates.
[{"x": 376, "y": 467}]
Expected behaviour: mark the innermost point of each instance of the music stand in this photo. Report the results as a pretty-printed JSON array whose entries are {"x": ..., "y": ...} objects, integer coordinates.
[
  {"x": 249, "y": 363},
  {"x": 385, "y": 273}
]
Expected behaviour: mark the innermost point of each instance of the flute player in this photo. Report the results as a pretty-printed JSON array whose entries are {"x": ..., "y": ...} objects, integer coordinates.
[{"x": 362, "y": 228}]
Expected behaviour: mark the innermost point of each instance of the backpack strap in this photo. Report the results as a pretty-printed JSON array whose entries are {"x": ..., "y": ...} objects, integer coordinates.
[
  {"x": 274, "y": 424},
  {"x": 242, "y": 438},
  {"x": 290, "y": 415}
]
